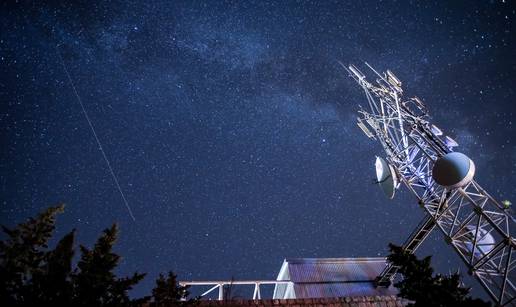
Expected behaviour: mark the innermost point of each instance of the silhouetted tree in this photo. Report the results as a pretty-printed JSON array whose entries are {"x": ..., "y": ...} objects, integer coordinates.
[
  {"x": 33, "y": 275},
  {"x": 95, "y": 283},
  {"x": 420, "y": 285},
  {"x": 51, "y": 284},
  {"x": 23, "y": 255},
  {"x": 169, "y": 293}
]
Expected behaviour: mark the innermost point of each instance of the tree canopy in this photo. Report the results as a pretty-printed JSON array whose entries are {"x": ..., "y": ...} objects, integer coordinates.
[
  {"x": 33, "y": 274},
  {"x": 421, "y": 286}
]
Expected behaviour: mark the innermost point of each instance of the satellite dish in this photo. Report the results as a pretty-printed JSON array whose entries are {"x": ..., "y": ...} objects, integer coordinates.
[
  {"x": 453, "y": 170},
  {"x": 386, "y": 177},
  {"x": 485, "y": 241}
]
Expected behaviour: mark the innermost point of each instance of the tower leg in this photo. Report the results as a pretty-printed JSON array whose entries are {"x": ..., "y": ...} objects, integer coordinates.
[{"x": 416, "y": 238}]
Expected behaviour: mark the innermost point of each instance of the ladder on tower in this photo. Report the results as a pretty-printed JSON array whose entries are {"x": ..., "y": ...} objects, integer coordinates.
[{"x": 416, "y": 238}]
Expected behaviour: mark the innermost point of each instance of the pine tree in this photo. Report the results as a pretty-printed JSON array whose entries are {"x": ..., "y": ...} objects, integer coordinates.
[
  {"x": 169, "y": 293},
  {"x": 22, "y": 256},
  {"x": 95, "y": 283},
  {"x": 51, "y": 285},
  {"x": 31, "y": 274},
  {"x": 421, "y": 286}
]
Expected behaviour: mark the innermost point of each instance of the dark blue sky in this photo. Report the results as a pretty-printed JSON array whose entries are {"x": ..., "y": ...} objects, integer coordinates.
[{"x": 231, "y": 127}]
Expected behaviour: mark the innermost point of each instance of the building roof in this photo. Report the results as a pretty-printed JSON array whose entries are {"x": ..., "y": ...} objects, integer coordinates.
[
  {"x": 356, "y": 301},
  {"x": 331, "y": 277}
]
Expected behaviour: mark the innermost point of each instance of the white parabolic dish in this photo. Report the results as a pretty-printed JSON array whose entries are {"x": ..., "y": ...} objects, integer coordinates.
[
  {"x": 386, "y": 177},
  {"x": 485, "y": 241}
]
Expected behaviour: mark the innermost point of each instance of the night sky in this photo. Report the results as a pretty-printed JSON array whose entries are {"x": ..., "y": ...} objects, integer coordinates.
[{"x": 231, "y": 127}]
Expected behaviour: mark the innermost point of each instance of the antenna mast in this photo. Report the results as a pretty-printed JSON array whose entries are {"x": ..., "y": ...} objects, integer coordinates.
[{"x": 477, "y": 226}]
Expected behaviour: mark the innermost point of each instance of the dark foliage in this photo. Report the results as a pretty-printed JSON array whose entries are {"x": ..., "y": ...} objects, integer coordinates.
[
  {"x": 421, "y": 286},
  {"x": 169, "y": 293},
  {"x": 51, "y": 284},
  {"x": 94, "y": 282},
  {"x": 25, "y": 263},
  {"x": 31, "y": 274}
]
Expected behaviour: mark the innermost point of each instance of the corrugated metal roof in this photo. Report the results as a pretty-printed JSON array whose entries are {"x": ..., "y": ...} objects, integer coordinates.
[
  {"x": 309, "y": 290},
  {"x": 335, "y": 269},
  {"x": 334, "y": 277}
]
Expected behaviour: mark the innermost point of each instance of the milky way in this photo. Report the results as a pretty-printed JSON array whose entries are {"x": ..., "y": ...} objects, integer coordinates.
[{"x": 231, "y": 126}]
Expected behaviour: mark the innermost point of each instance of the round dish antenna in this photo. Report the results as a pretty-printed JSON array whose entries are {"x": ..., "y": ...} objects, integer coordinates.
[
  {"x": 484, "y": 241},
  {"x": 453, "y": 170},
  {"x": 385, "y": 177}
]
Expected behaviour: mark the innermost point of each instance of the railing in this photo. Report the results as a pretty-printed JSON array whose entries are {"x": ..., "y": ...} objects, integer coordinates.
[{"x": 221, "y": 284}]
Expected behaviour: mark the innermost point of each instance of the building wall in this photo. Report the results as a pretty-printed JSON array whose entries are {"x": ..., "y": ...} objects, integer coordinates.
[{"x": 358, "y": 301}]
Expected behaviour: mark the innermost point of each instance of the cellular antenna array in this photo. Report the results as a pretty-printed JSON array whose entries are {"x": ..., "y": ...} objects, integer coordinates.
[{"x": 417, "y": 153}]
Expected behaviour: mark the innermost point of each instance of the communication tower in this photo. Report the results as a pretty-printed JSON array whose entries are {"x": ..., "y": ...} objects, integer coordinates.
[{"x": 418, "y": 154}]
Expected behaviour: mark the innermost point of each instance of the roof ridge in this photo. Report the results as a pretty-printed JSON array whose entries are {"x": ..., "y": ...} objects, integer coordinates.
[{"x": 333, "y": 260}]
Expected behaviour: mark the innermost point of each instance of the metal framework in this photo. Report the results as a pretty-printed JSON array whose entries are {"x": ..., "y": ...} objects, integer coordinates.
[
  {"x": 477, "y": 226},
  {"x": 220, "y": 285}
]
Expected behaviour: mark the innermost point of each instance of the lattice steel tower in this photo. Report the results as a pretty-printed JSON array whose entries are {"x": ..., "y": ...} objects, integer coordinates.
[{"x": 477, "y": 226}]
